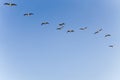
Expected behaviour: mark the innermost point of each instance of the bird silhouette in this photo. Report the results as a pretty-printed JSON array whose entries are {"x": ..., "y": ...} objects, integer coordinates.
[
  {"x": 61, "y": 24},
  {"x": 10, "y": 4},
  {"x": 98, "y": 31},
  {"x": 44, "y": 23},
  {"x": 111, "y": 46},
  {"x": 59, "y": 28},
  {"x": 69, "y": 31},
  {"x": 83, "y": 28},
  {"x": 107, "y": 35},
  {"x": 28, "y": 14}
]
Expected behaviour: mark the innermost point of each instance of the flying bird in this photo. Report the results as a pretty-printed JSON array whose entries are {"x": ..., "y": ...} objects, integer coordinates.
[
  {"x": 59, "y": 28},
  {"x": 10, "y": 4},
  {"x": 28, "y": 14},
  {"x": 44, "y": 23},
  {"x": 83, "y": 28},
  {"x": 107, "y": 35},
  {"x": 96, "y": 32},
  {"x": 61, "y": 24},
  {"x": 69, "y": 31},
  {"x": 111, "y": 46}
]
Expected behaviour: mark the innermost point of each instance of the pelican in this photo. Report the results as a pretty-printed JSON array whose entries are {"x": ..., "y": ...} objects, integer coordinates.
[
  {"x": 96, "y": 32},
  {"x": 111, "y": 46},
  {"x": 28, "y": 14},
  {"x": 10, "y": 4},
  {"x": 83, "y": 28},
  {"x": 59, "y": 28},
  {"x": 44, "y": 23},
  {"x": 70, "y": 31},
  {"x": 107, "y": 35},
  {"x": 61, "y": 24}
]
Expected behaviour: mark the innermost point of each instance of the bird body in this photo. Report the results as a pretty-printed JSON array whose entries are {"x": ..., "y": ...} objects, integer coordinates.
[
  {"x": 111, "y": 46},
  {"x": 61, "y": 24},
  {"x": 107, "y": 35},
  {"x": 28, "y": 14},
  {"x": 83, "y": 28},
  {"x": 44, "y": 23},
  {"x": 70, "y": 31},
  {"x": 59, "y": 28},
  {"x": 98, "y": 31},
  {"x": 10, "y": 4}
]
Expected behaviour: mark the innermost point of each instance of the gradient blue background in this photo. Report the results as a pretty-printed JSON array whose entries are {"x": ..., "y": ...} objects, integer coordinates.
[{"x": 29, "y": 51}]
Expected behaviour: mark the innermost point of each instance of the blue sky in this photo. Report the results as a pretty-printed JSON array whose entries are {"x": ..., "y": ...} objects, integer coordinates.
[{"x": 29, "y": 51}]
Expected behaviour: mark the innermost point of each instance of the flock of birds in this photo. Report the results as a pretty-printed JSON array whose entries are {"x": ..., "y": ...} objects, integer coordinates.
[{"x": 61, "y": 25}]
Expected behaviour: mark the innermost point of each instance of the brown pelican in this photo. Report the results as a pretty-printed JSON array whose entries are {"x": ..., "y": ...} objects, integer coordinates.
[
  {"x": 70, "y": 31},
  {"x": 107, "y": 35},
  {"x": 44, "y": 23},
  {"x": 111, "y": 46},
  {"x": 59, "y": 28},
  {"x": 10, "y": 4},
  {"x": 61, "y": 24},
  {"x": 96, "y": 32},
  {"x": 28, "y": 14},
  {"x": 83, "y": 28}
]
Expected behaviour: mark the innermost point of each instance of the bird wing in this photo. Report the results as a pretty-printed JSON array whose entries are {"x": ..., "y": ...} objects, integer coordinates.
[
  {"x": 6, "y": 3},
  {"x": 31, "y": 14},
  {"x": 14, "y": 4}
]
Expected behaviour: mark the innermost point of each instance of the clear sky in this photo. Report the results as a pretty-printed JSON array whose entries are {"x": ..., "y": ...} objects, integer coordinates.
[{"x": 29, "y": 51}]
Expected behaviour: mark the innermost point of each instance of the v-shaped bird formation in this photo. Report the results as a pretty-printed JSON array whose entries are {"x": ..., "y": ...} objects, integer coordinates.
[{"x": 61, "y": 25}]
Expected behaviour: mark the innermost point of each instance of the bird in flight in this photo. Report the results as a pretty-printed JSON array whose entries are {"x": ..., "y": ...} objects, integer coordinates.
[
  {"x": 61, "y": 24},
  {"x": 28, "y": 14},
  {"x": 69, "y": 31},
  {"x": 107, "y": 35},
  {"x": 59, "y": 28},
  {"x": 111, "y": 46},
  {"x": 44, "y": 23},
  {"x": 98, "y": 31},
  {"x": 83, "y": 28},
  {"x": 10, "y": 4}
]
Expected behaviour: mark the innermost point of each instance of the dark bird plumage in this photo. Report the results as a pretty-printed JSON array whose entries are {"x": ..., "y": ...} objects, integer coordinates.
[
  {"x": 61, "y": 24},
  {"x": 28, "y": 14},
  {"x": 70, "y": 31},
  {"x": 96, "y": 32},
  {"x": 59, "y": 28},
  {"x": 44, "y": 23},
  {"x": 10, "y": 4},
  {"x": 83, "y": 28},
  {"x": 111, "y": 46},
  {"x": 107, "y": 35}
]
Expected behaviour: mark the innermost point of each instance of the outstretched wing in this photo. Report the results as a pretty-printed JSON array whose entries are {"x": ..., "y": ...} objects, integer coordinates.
[
  {"x": 6, "y": 3},
  {"x": 81, "y": 28},
  {"x": 107, "y": 35},
  {"x": 31, "y": 14},
  {"x": 25, "y": 14},
  {"x": 96, "y": 32},
  {"x": 42, "y": 24},
  {"x": 13, "y": 4},
  {"x": 111, "y": 46},
  {"x": 46, "y": 22}
]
